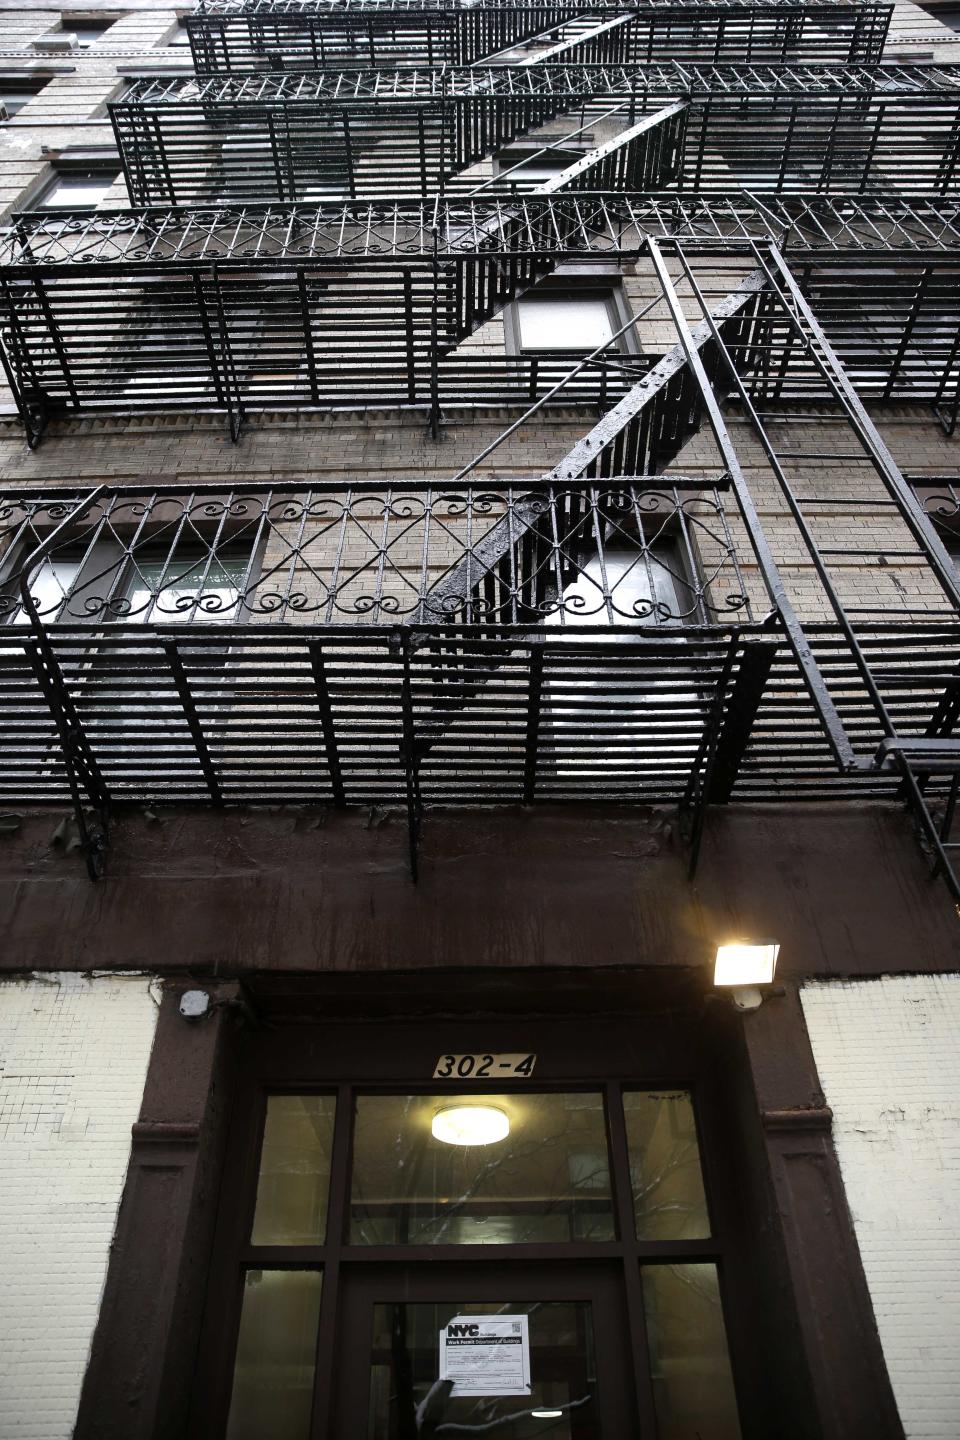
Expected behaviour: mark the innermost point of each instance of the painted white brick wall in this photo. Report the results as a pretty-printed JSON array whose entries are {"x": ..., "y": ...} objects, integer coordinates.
[
  {"x": 888, "y": 1054},
  {"x": 73, "y": 1060}
]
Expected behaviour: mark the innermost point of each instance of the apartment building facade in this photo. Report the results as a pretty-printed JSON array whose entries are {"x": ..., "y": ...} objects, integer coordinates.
[{"x": 479, "y": 521}]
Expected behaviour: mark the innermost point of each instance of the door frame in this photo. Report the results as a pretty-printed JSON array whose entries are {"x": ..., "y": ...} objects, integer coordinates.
[{"x": 345, "y": 1058}]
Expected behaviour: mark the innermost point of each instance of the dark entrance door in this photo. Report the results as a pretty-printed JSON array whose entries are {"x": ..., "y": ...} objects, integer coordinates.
[{"x": 571, "y": 1318}]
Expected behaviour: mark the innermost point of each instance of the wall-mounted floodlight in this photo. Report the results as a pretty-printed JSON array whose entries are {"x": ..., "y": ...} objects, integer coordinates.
[
  {"x": 746, "y": 962},
  {"x": 742, "y": 966}
]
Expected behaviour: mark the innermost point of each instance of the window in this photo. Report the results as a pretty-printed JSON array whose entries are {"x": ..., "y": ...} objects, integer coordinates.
[
  {"x": 155, "y": 585},
  {"x": 548, "y": 1179},
  {"x": 641, "y": 583},
  {"x": 566, "y": 321},
  {"x": 189, "y": 584},
  {"x": 87, "y": 28},
  {"x": 16, "y": 90},
  {"x": 77, "y": 189},
  {"x": 532, "y": 165}
]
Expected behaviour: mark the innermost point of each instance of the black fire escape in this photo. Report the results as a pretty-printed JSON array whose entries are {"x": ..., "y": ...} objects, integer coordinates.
[{"x": 326, "y": 216}]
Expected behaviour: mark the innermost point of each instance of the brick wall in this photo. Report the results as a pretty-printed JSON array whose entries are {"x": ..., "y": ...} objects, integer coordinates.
[
  {"x": 889, "y": 1064},
  {"x": 73, "y": 1058}
]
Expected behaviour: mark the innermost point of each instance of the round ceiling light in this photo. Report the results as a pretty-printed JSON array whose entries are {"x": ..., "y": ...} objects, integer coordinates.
[{"x": 470, "y": 1125}]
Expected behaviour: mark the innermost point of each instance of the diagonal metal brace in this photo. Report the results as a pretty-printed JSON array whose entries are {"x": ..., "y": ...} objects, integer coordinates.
[
  {"x": 83, "y": 772},
  {"x": 746, "y": 694}
]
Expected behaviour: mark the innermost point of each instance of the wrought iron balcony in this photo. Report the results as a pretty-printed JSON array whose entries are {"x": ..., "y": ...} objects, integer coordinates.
[
  {"x": 448, "y": 644},
  {"x": 266, "y": 35},
  {"x": 348, "y": 134},
  {"x": 250, "y": 309}
]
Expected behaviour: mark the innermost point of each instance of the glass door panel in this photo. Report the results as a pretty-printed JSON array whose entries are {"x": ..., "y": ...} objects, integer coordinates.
[
  {"x": 692, "y": 1382},
  {"x": 273, "y": 1374},
  {"x": 533, "y": 1350}
]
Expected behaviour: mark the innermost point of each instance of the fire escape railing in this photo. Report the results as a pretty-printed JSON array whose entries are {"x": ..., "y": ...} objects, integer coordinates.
[
  {"x": 171, "y": 311},
  {"x": 300, "y": 644},
  {"x": 349, "y": 135},
  {"x": 271, "y": 36},
  {"x": 559, "y": 225}
]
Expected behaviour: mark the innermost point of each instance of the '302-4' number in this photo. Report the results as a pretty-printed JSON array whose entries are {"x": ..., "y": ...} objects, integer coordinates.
[{"x": 484, "y": 1066}]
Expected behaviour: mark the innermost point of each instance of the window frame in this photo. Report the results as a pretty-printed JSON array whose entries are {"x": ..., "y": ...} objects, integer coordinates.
[
  {"x": 573, "y": 283},
  {"x": 524, "y": 152},
  {"x": 77, "y": 22},
  {"x": 64, "y": 169},
  {"x": 28, "y": 83}
]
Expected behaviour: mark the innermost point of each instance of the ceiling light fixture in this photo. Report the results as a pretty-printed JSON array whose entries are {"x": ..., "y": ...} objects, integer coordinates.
[{"x": 470, "y": 1125}]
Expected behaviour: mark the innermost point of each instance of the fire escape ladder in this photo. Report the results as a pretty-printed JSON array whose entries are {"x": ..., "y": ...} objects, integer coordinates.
[
  {"x": 726, "y": 736},
  {"x": 607, "y": 43},
  {"x": 480, "y": 286},
  {"x": 646, "y": 156},
  {"x": 656, "y": 418},
  {"x": 637, "y": 438},
  {"x": 917, "y": 760},
  {"x": 912, "y": 539}
]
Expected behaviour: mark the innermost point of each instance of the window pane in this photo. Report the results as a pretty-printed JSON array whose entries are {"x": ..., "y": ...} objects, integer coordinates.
[
  {"x": 405, "y": 1368},
  {"x": 580, "y": 322},
  {"x": 186, "y": 586},
  {"x": 79, "y": 191},
  {"x": 529, "y": 167},
  {"x": 49, "y": 588},
  {"x": 15, "y": 97},
  {"x": 273, "y": 1372},
  {"x": 637, "y": 584},
  {"x": 547, "y": 1179},
  {"x": 294, "y": 1181},
  {"x": 692, "y": 1385},
  {"x": 665, "y": 1172}
]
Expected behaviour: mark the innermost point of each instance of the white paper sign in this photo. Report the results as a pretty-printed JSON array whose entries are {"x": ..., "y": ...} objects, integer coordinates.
[{"x": 486, "y": 1354}]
